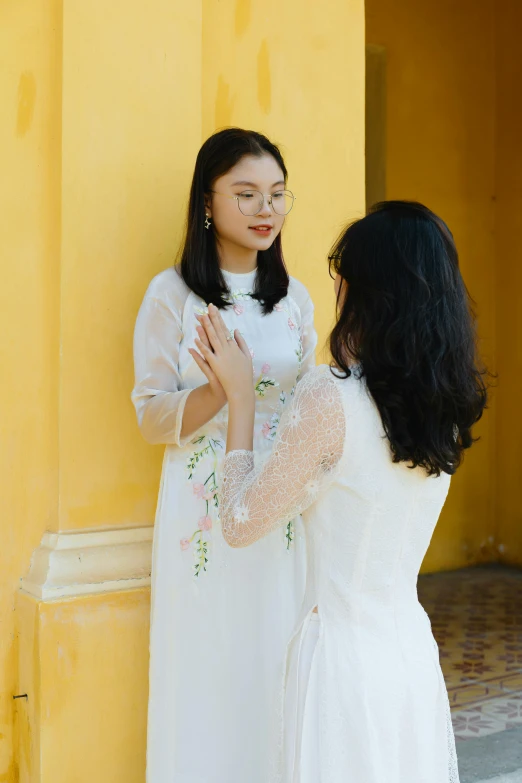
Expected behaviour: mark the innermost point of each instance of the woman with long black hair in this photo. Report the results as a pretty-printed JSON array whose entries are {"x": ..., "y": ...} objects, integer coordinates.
[
  {"x": 220, "y": 619},
  {"x": 365, "y": 451}
]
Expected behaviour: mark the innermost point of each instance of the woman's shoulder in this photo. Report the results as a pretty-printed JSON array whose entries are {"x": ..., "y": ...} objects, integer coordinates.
[
  {"x": 319, "y": 382},
  {"x": 327, "y": 382},
  {"x": 318, "y": 401},
  {"x": 168, "y": 288},
  {"x": 299, "y": 293}
]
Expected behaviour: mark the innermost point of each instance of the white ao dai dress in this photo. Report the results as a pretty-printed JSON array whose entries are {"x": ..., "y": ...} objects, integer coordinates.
[
  {"x": 220, "y": 619},
  {"x": 363, "y": 698}
]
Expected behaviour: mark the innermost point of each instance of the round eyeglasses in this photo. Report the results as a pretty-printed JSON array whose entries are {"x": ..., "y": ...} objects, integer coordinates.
[{"x": 251, "y": 202}]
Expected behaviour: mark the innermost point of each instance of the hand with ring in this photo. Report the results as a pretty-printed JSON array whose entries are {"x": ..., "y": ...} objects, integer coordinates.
[{"x": 223, "y": 356}]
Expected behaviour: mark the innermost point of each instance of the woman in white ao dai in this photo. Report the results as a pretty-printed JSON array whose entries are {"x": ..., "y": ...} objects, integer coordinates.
[
  {"x": 220, "y": 619},
  {"x": 365, "y": 452}
]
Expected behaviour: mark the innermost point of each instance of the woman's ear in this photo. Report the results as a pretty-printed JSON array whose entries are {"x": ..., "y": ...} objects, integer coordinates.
[{"x": 208, "y": 205}]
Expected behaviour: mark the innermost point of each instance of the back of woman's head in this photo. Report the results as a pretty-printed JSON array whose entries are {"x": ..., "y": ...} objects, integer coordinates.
[{"x": 405, "y": 317}]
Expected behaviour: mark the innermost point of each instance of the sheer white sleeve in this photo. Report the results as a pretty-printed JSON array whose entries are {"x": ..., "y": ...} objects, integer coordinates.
[
  {"x": 307, "y": 329},
  {"x": 158, "y": 397},
  {"x": 307, "y": 449}
]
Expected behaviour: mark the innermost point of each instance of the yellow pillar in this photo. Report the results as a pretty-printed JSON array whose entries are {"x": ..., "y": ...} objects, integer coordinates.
[
  {"x": 131, "y": 131},
  {"x": 103, "y": 123},
  {"x": 30, "y": 134}
]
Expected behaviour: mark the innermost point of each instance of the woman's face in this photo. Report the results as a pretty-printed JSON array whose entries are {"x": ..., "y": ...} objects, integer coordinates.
[{"x": 231, "y": 226}]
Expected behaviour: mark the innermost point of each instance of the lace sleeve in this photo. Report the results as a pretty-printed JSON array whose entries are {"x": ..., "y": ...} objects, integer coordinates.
[{"x": 306, "y": 452}]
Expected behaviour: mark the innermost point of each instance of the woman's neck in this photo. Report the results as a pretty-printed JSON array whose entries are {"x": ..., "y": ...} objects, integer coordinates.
[{"x": 237, "y": 260}]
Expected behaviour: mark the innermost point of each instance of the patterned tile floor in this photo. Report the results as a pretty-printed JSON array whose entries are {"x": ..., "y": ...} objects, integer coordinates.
[{"x": 476, "y": 616}]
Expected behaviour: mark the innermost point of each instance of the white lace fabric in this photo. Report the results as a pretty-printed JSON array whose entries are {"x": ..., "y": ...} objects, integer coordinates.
[{"x": 307, "y": 449}]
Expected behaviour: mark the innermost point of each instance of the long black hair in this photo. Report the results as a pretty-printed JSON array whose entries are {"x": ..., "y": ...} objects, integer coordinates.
[
  {"x": 406, "y": 319},
  {"x": 199, "y": 263}
]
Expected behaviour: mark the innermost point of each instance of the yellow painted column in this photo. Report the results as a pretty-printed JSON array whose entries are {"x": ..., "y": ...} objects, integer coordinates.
[
  {"x": 84, "y": 664},
  {"x": 102, "y": 109},
  {"x": 131, "y": 131},
  {"x": 295, "y": 71},
  {"x": 30, "y": 138}
]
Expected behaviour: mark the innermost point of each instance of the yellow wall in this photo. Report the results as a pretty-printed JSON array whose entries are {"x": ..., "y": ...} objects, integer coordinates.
[
  {"x": 90, "y": 122},
  {"x": 508, "y": 231},
  {"x": 29, "y": 310},
  {"x": 440, "y": 149},
  {"x": 103, "y": 110},
  {"x": 85, "y": 659},
  {"x": 286, "y": 69},
  {"x": 131, "y": 130}
]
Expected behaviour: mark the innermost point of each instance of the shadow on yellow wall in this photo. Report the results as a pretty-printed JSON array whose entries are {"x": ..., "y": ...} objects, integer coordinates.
[{"x": 443, "y": 131}]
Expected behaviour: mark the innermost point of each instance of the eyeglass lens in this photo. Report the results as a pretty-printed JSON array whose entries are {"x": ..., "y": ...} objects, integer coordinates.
[{"x": 251, "y": 202}]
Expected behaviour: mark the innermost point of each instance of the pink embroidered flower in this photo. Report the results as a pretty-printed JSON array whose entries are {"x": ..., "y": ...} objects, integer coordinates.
[
  {"x": 239, "y": 309},
  {"x": 209, "y": 495},
  {"x": 265, "y": 368},
  {"x": 291, "y": 324},
  {"x": 199, "y": 490},
  {"x": 184, "y": 544},
  {"x": 205, "y": 523},
  {"x": 278, "y": 307},
  {"x": 266, "y": 429}
]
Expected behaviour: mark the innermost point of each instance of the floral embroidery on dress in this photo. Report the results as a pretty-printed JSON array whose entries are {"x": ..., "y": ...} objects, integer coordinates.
[
  {"x": 269, "y": 428},
  {"x": 238, "y": 295},
  {"x": 207, "y": 492},
  {"x": 289, "y": 534},
  {"x": 281, "y": 307},
  {"x": 263, "y": 382},
  {"x": 299, "y": 354}
]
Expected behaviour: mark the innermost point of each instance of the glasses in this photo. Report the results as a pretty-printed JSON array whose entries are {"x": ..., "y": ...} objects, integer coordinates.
[{"x": 251, "y": 202}]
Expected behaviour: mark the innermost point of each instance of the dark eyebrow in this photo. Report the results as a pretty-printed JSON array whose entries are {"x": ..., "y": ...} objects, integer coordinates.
[{"x": 254, "y": 185}]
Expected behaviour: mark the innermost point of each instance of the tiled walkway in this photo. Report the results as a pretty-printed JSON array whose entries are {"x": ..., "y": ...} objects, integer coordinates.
[{"x": 476, "y": 616}]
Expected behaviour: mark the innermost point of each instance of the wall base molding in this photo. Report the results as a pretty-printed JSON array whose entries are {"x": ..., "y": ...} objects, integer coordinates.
[{"x": 79, "y": 562}]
